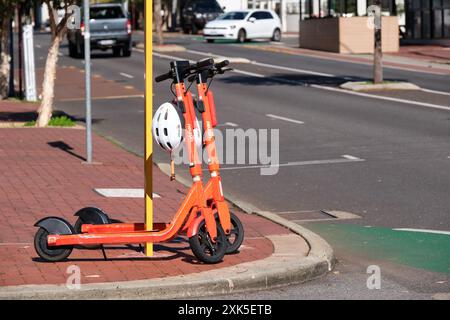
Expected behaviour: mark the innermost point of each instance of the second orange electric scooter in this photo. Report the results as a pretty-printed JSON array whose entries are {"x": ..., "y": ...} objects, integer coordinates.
[{"x": 203, "y": 215}]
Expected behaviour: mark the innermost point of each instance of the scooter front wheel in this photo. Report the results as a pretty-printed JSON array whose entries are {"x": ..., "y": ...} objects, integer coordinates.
[
  {"x": 50, "y": 254},
  {"x": 236, "y": 236},
  {"x": 204, "y": 249}
]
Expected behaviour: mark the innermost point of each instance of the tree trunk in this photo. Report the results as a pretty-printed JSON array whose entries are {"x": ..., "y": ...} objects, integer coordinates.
[
  {"x": 5, "y": 59},
  {"x": 48, "y": 85},
  {"x": 158, "y": 23},
  {"x": 378, "y": 52}
]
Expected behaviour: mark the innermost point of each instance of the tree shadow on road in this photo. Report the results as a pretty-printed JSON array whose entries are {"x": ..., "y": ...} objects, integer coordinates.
[{"x": 294, "y": 80}]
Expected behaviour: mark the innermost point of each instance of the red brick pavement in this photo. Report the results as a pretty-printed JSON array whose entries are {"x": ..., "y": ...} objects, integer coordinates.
[{"x": 37, "y": 180}]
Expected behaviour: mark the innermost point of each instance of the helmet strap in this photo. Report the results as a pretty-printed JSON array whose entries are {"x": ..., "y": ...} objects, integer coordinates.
[{"x": 172, "y": 168}]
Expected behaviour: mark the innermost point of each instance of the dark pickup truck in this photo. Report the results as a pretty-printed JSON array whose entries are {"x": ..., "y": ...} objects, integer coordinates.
[{"x": 110, "y": 29}]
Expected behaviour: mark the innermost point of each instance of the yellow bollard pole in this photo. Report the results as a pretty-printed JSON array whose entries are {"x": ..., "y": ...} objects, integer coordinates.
[{"x": 148, "y": 121}]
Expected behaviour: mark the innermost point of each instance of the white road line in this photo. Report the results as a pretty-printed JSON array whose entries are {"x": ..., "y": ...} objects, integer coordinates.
[
  {"x": 296, "y": 163},
  {"x": 123, "y": 192},
  {"x": 436, "y": 92},
  {"x": 247, "y": 73},
  {"x": 423, "y": 231},
  {"x": 361, "y": 94},
  {"x": 291, "y": 69},
  {"x": 284, "y": 118},
  {"x": 355, "y": 62},
  {"x": 126, "y": 75},
  {"x": 423, "y": 104},
  {"x": 349, "y": 157},
  {"x": 228, "y": 124}
]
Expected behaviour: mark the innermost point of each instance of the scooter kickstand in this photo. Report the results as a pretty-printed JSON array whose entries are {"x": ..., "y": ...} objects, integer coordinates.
[{"x": 104, "y": 253}]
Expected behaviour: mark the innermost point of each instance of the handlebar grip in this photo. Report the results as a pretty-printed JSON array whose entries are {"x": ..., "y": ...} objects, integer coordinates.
[
  {"x": 164, "y": 77},
  {"x": 222, "y": 64},
  {"x": 204, "y": 63}
]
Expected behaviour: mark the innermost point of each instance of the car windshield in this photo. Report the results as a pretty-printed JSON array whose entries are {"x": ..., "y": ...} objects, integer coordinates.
[
  {"x": 209, "y": 6},
  {"x": 234, "y": 15},
  {"x": 113, "y": 12}
]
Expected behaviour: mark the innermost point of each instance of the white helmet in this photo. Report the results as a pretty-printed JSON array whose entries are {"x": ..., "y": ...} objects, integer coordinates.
[{"x": 167, "y": 128}]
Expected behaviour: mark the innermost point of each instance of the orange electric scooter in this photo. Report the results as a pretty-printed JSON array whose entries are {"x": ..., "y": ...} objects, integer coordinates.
[
  {"x": 213, "y": 189},
  {"x": 197, "y": 215}
]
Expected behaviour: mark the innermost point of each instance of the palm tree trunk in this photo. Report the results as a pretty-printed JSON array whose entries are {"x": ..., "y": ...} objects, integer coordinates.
[
  {"x": 48, "y": 85},
  {"x": 158, "y": 22},
  {"x": 5, "y": 59}
]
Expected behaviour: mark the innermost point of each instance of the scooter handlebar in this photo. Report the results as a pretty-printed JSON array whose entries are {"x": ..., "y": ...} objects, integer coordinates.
[
  {"x": 203, "y": 63},
  {"x": 164, "y": 77},
  {"x": 222, "y": 64}
]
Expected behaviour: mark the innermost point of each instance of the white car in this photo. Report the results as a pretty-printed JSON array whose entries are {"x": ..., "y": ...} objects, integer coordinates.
[{"x": 243, "y": 25}]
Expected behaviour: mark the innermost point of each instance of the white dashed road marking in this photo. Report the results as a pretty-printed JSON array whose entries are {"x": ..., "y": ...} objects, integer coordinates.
[{"x": 284, "y": 119}]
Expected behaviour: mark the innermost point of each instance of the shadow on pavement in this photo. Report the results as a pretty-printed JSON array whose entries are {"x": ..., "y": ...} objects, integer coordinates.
[{"x": 66, "y": 148}]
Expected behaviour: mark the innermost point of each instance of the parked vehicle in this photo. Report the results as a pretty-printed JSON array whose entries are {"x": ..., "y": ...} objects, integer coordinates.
[
  {"x": 110, "y": 29},
  {"x": 196, "y": 13},
  {"x": 244, "y": 25}
]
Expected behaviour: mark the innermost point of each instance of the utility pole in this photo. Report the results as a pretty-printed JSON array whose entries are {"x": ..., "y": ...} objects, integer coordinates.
[
  {"x": 378, "y": 52},
  {"x": 87, "y": 68}
]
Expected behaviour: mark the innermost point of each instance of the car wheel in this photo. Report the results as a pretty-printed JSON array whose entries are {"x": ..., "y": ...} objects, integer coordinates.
[
  {"x": 194, "y": 29},
  {"x": 126, "y": 52},
  {"x": 116, "y": 51},
  {"x": 79, "y": 51},
  {"x": 72, "y": 50},
  {"x": 210, "y": 40},
  {"x": 241, "y": 36},
  {"x": 276, "y": 35}
]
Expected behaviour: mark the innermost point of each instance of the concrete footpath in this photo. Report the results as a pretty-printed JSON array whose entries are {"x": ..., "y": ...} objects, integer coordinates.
[{"x": 42, "y": 174}]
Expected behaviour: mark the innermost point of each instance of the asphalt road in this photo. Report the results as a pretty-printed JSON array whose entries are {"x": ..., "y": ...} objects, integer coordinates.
[{"x": 401, "y": 177}]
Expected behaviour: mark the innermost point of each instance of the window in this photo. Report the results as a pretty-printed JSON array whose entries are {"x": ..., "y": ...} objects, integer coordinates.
[
  {"x": 234, "y": 15},
  {"x": 101, "y": 13},
  {"x": 266, "y": 15},
  {"x": 209, "y": 6}
]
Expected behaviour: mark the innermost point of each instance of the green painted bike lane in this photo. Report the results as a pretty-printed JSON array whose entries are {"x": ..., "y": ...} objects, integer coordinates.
[{"x": 428, "y": 251}]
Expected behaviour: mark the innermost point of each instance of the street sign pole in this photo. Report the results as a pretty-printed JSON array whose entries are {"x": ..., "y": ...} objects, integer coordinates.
[
  {"x": 87, "y": 68},
  {"x": 148, "y": 121},
  {"x": 28, "y": 54}
]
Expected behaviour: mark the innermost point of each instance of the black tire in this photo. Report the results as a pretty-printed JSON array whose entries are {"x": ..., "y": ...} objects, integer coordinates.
[
  {"x": 204, "y": 250},
  {"x": 77, "y": 228},
  {"x": 194, "y": 29},
  {"x": 72, "y": 50},
  {"x": 236, "y": 236},
  {"x": 48, "y": 253},
  {"x": 210, "y": 40},
  {"x": 242, "y": 36},
  {"x": 276, "y": 35},
  {"x": 126, "y": 52},
  {"x": 116, "y": 51},
  {"x": 79, "y": 52}
]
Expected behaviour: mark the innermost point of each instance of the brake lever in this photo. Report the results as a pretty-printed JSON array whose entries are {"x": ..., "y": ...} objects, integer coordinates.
[{"x": 222, "y": 71}]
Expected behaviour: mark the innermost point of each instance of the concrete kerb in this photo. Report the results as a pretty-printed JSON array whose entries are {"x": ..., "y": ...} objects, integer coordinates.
[
  {"x": 280, "y": 269},
  {"x": 319, "y": 248},
  {"x": 287, "y": 265},
  {"x": 364, "y": 86}
]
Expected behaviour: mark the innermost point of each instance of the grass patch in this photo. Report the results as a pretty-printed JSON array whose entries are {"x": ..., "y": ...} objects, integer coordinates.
[{"x": 62, "y": 121}]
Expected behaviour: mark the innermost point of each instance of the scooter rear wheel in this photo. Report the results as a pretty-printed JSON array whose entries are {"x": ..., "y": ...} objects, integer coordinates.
[
  {"x": 204, "y": 249},
  {"x": 51, "y": 254}
]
